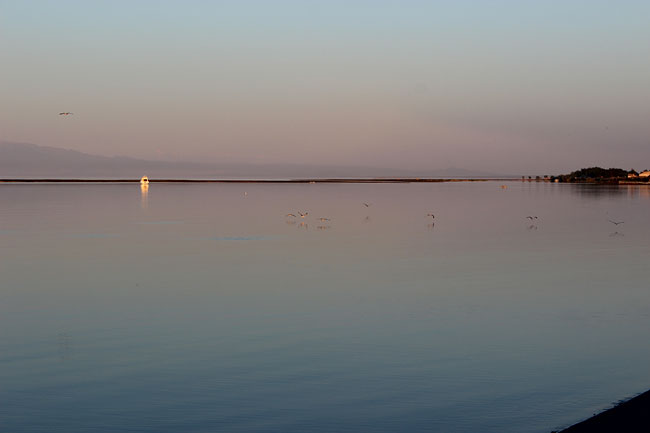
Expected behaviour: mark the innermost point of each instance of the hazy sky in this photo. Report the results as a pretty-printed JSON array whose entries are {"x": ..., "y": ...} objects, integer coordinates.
[{"x": 544, "y": 86}]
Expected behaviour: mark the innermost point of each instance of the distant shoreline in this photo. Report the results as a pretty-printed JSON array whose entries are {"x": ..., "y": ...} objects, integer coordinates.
[
  {"x": 315, "y": 180},
  {"x": 318, "y": 180}
]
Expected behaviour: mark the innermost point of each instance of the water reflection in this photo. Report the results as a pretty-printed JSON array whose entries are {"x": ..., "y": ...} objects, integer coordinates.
[
  {"x": 644, "y": 191},
  {"x": 637, "y": 191},
  {"x": 144, "y": 193},
  {"x": 64, "y": 345},
  {"x": 217, "y": 306},
  {"x": 597, "y": 191}
]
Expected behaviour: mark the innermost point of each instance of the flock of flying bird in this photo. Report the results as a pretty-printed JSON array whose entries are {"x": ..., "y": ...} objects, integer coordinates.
[
  {"x": 532, "y": 219},
  {"x": 325, "y": 220},
  {"x": 293, "y": 217},
  {"x": 534, "y": 226}
]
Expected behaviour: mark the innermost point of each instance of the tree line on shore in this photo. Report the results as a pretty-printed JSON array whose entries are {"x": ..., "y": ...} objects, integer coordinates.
[{"x": 599, "y": 174}]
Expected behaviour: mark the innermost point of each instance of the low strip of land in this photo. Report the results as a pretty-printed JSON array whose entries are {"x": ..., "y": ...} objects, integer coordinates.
[
  {"x": 631, "y": 416},
  {"x": 318, "y": 180},
  {"x": 314, "y": 180}
]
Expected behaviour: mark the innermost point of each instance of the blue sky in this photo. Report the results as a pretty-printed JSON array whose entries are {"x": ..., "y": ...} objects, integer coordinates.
[{"x": 544, "y": 86}]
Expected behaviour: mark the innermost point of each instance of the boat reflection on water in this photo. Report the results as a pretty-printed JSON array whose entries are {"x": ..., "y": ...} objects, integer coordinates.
[{"x": 144, "y": 191}]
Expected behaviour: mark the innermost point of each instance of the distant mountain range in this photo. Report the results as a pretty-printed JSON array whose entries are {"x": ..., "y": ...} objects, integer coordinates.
[{"x": 23, "y": 160}]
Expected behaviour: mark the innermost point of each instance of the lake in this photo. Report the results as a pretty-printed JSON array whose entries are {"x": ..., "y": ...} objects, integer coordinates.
[{"x": 203, "y": 308}]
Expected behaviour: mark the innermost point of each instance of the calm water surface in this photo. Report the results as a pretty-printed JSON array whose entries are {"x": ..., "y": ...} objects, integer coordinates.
[{"x": 201, "y": 308}]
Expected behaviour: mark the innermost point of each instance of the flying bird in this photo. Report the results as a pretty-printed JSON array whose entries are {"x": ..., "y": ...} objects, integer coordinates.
[
  {"x": 431, "y": 215},
  {"x": 302, "y": 215},
  {"x": 65, "y": 113},
  {"x": 291, "y": 215},
  {"x": 616, "y": 222},
  {"x": 324, "y": 219},
  {"x": 367, "y": 204},
  {"x": 531, "y": 217}
]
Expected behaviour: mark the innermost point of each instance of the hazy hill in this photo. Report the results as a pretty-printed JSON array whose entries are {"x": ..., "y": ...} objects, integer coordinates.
[{"x": 23, "y": 160}]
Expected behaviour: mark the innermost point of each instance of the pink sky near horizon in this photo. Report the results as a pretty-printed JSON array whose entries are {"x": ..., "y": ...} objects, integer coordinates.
[{"x": 543, "y": 88}]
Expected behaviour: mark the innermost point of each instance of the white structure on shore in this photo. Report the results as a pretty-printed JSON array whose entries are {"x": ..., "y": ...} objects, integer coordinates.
[
  {"x": 645, "y": 173},
  {"x": 144, "y": 180}
]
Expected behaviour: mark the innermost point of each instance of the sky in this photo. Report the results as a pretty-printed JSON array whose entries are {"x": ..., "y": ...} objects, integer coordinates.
[{"x": 500, "y": 86}]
